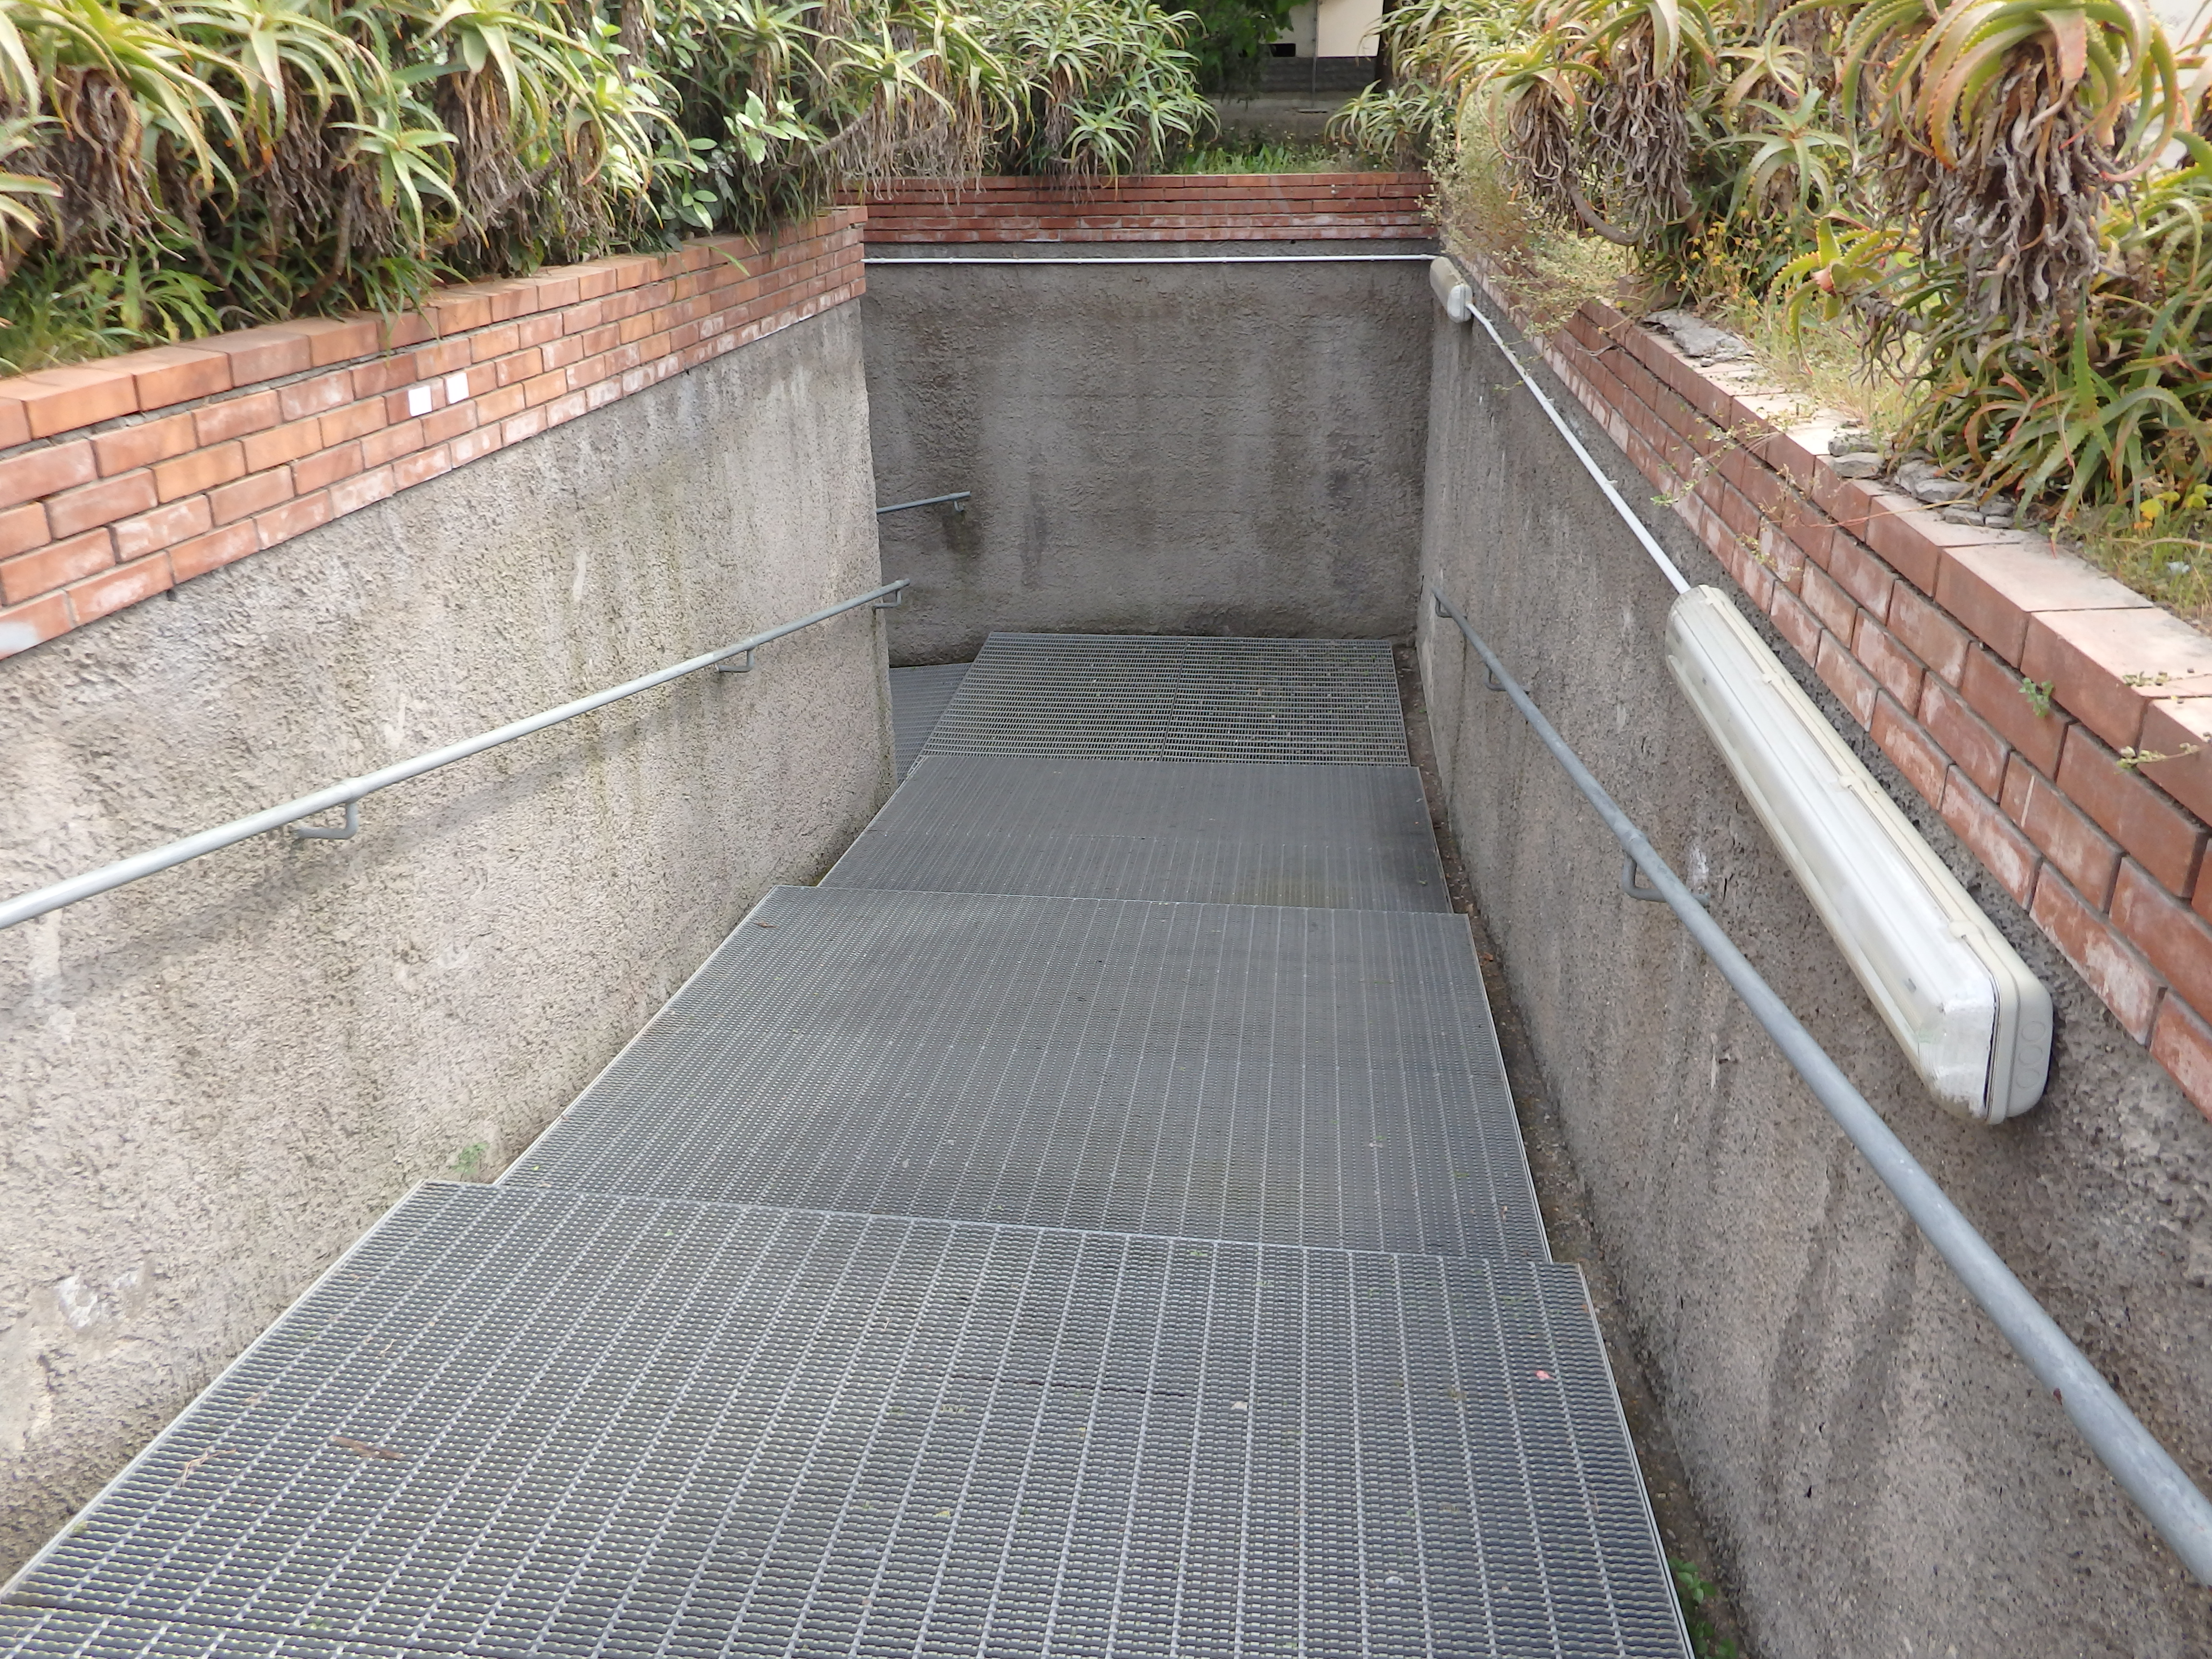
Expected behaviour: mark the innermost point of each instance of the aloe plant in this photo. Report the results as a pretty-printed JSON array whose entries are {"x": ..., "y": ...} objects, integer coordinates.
[
  {"x": 169, "y": 167},
  {"x": 2006, "y": 123}
]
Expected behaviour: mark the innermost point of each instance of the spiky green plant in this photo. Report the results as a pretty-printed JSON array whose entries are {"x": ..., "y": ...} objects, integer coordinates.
[{"x": 169, "y": 166}]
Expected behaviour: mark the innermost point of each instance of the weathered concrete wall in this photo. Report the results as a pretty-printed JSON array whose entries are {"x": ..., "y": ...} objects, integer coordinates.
[
  {"x": 1883, "y": 1476},
  {"x": 1224, "y": 449},
  {"x": 215, "y": 1078}
]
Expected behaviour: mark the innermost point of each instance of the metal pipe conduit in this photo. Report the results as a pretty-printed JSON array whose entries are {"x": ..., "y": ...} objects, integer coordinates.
[
  {"x": 2159, "y": 1487},
  {"x": 349, "y": 793}
]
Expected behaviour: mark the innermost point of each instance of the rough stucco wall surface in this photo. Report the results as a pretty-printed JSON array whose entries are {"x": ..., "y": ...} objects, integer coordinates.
[
  {"x": 213, "y": 1079},
  {"x": 1225, "y": 449},
  {"x": 1883, "y": 1476}
]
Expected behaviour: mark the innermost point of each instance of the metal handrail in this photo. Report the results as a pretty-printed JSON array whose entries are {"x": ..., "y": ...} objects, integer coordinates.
[
  {"x": 958, "y": 498},
  {"x": 350, "y": 792},
  {"x": 2161, "y": 1490}
]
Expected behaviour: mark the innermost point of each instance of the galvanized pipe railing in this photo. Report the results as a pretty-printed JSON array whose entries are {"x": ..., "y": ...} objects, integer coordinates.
[
  {"x": 350, "y": 792},
  {"x": 2161, "y": 1490},
  {"x": 958, "y": 498}
]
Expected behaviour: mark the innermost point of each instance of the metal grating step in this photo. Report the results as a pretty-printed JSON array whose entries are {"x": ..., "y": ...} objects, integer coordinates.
[
  {"x": 63, "y": 1633},
  {"x": 1332, "y": 702},
  {"x": 1294, "y": 1076},
  {"x": 1354, "y": 837},
  {"x": 918, "y": 698},
  {"x": 513, "y": 1424}
]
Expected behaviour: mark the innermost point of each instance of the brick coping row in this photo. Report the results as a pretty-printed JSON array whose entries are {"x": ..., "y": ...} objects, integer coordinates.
[
  {"x": 121, "y": 478},
  {"x": 1160, "y": 207},
  {"x": 2007, "y": 681}
]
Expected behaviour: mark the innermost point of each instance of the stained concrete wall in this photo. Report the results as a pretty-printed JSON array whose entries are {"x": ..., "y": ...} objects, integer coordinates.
[
  {"x": 215, "y": 1078},
  {"x": 1881, "y": 1474},
  {"x": 1215, "y": 449}
]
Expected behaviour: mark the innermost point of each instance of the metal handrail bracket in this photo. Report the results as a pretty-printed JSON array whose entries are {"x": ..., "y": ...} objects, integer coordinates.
[
  {"x": 2144, "y": 1468},
  {"x": 350, "y": 792}
]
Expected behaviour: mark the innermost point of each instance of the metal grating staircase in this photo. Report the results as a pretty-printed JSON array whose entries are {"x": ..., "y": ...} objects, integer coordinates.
[
  {"x": 1116, "y": 1262},
  {"x": 1351, "y": 837},
  {"x": 917, "y": 699}
]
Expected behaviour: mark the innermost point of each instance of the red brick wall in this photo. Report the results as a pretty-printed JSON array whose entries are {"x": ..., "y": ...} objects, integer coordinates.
[
  {"x": 1925, "y": 631},
  {"x": 121, "y": 478},
  {"x": 1162, "y": 208}
]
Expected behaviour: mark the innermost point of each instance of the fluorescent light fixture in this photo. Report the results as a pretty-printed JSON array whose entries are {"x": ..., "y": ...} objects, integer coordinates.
[
  {"x": 1452, "y": 290},
  {"x": 1974, "y": 1022}
]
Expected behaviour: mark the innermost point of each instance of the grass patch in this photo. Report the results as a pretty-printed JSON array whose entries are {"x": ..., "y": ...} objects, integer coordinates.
[
  {"x": 1256, "y": 155},
  {"x": 1546, "y": 272},
  {"x": 2169, "y": 564},
  {"x": 1826, "y": 366}
]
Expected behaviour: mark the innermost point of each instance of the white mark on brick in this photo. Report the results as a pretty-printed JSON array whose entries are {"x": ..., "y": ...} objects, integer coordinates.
[
  {"x": 457, "y": 388},
  {"x": 418, "y": 400},
  {"x": 16, "y": 636}
]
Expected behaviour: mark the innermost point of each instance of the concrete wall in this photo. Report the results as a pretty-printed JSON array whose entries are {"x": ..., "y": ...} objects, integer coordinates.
[
  {"x": 214, "y": 1079},
  {"x": 1224, "y": 449},
  {"x": 1881, "y": 1474}
]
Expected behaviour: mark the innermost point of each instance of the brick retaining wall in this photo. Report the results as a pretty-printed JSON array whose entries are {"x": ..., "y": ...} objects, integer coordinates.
[
  {"x": 1939, "y": 639},
  {"x": 121, "y": 478}
]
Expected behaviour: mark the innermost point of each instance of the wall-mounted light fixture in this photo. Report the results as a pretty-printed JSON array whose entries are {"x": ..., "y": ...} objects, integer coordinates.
[
  {"x": 1974, "y": 1021},
  {"x": 1451, "y": 289}
]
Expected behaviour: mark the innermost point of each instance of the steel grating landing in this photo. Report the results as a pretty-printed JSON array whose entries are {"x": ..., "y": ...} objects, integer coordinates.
[
  {"x": 1153, "y": 698},
  {"x": 63, "y": 1633},
  {"x": 514, "y": 1422},
  {"x": 918, "y": 698},
  {"x": 1291, "y": 1076},
  {"x": 1355, "y": 837}
]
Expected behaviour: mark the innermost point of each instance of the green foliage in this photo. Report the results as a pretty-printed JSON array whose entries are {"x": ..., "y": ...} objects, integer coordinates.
[
  {"x": 1102, "y": 86},
  {"x": 2108, "y": 406},
  {"x": 1252, "y": 152},
  {"x": 1400, "y": 125},
  {"x": 2004, "y": 124},
  {"x": 172, "y": 167},
  {"x": 1697, "y": 1595},
  {"x": 1231, "y": 38},
  {"x": 1692, "y": 134},
  {"x": 2000, "y": 200}
]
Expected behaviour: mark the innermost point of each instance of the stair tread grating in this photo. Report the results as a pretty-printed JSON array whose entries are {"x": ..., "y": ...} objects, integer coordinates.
[
  {"x": 1295, "y": 1076},
  {"x": 1353, "y": 837},
  {"x": 67, "y": 1633},
  {"x": 1163, "y": 698},
  {"x": 514, "y": 1422},
  {"x": 917, "y": 699}
]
